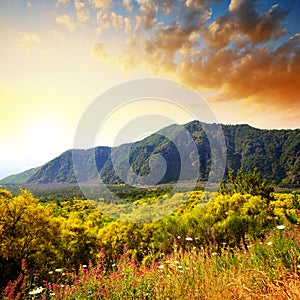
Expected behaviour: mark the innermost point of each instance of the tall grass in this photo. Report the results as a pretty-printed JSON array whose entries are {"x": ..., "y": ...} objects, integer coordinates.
[{"x": 267, "y": 270}]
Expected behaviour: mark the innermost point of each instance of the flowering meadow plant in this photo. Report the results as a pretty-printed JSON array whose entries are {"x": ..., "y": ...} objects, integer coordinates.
[{"x": 198, "y": 274}]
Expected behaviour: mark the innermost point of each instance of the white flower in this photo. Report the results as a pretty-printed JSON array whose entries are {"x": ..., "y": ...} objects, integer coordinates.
[
  {"x": 161, "y": 267},
  {"x": 179, "y": 267},
  {"x": 179, "y": 237},
  {"x": 269, "y": 243},
  {"x": 188, "y": 239},
  {"x": 50, "y": 272},
  {"x": 84, "y": 266},
  {"x": 214, "y": 253},
  {"x": 59, "y": 270},
  {"x": 280, "y": 227},
  {"x": 298, "y": 267},
  {"x": 36, "y": 291}
]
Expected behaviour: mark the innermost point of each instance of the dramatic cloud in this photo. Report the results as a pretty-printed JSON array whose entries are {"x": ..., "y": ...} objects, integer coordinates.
[
  {"x": 267, "y": 75},
  {"x": 258, "y": 26},
  {"x": 66, "y": 21},
  {"x": 246, "y": 52}
]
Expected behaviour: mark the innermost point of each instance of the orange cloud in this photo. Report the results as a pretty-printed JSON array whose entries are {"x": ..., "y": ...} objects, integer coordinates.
[{"x": 237, "y": 55}]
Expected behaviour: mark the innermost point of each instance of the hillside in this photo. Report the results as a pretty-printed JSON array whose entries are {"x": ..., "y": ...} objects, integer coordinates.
[{"x": 276, "y": 154}]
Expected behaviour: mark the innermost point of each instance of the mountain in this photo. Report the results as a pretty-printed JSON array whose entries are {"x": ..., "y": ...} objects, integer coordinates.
[{"x": 276, "y": 154}]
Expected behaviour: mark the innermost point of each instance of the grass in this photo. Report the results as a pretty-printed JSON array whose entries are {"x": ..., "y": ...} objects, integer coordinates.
[{"x": 267, "y": 270}]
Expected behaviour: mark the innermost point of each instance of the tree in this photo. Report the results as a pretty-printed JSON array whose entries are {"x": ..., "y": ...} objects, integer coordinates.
[
  {"x": 27, "y": 231},
  {"x": 250, "y": 183}
]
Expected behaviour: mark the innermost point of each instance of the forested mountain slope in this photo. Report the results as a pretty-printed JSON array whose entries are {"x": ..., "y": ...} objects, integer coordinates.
[{"x": 276, "y": 154}]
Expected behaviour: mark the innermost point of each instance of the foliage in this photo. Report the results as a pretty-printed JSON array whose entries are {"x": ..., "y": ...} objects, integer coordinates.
[
  {"x": 276, "y": 154},
  {"x": 250, "y": 183},
  {"x": 69, "y": 234},
  {"x": 27, "y": 231},
  {"x": 269, "y": 269}
]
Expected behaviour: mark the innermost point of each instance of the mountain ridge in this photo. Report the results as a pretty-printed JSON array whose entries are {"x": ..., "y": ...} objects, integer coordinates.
[{"x": 275, "y": 152}]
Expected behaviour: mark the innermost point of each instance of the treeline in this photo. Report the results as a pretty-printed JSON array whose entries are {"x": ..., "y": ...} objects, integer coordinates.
[{"x": 69, "y": 233}]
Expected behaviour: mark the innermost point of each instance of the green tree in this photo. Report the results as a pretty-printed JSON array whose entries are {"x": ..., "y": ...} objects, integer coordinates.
[{"x": 250, "y": 183}]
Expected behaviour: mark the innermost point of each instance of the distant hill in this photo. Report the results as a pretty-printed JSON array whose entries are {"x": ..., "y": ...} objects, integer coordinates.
[{"x": 276, "y": 154}]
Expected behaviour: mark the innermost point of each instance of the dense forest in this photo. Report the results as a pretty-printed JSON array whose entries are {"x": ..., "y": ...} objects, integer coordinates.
[
  {"x": 242, "y": 240},
  {"x": 276, "y": 154}
]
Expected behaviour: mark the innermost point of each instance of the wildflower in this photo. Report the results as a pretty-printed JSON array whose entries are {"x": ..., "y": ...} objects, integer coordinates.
[
  {"x": 36, "y": 291},
  {"x": 179, "y": 237},
  {"x": 269, "y": 243},
  {"x": 50, "y": 272},
  {"x": 214, "y": 253},
  {"x": 179, "y": 267},
  {"x": 188, "y": 239},
  {"x": 176, "y": 262},
  {"x": 280, "y": 227},
  {"x": 59, "y": 270},
  {"x": 84, "y": 266},
  {"x": 161, "y": 267},
  {"x": 298, "y": 267},
  {"x": 113, "y": 265}
]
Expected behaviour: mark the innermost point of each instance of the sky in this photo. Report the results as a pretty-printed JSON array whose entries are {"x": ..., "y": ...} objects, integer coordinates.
[{"x": 57, "y": 57}]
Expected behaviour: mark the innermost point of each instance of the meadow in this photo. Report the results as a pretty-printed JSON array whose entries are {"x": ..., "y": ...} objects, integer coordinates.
[{"x": 242, "y": 242}]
